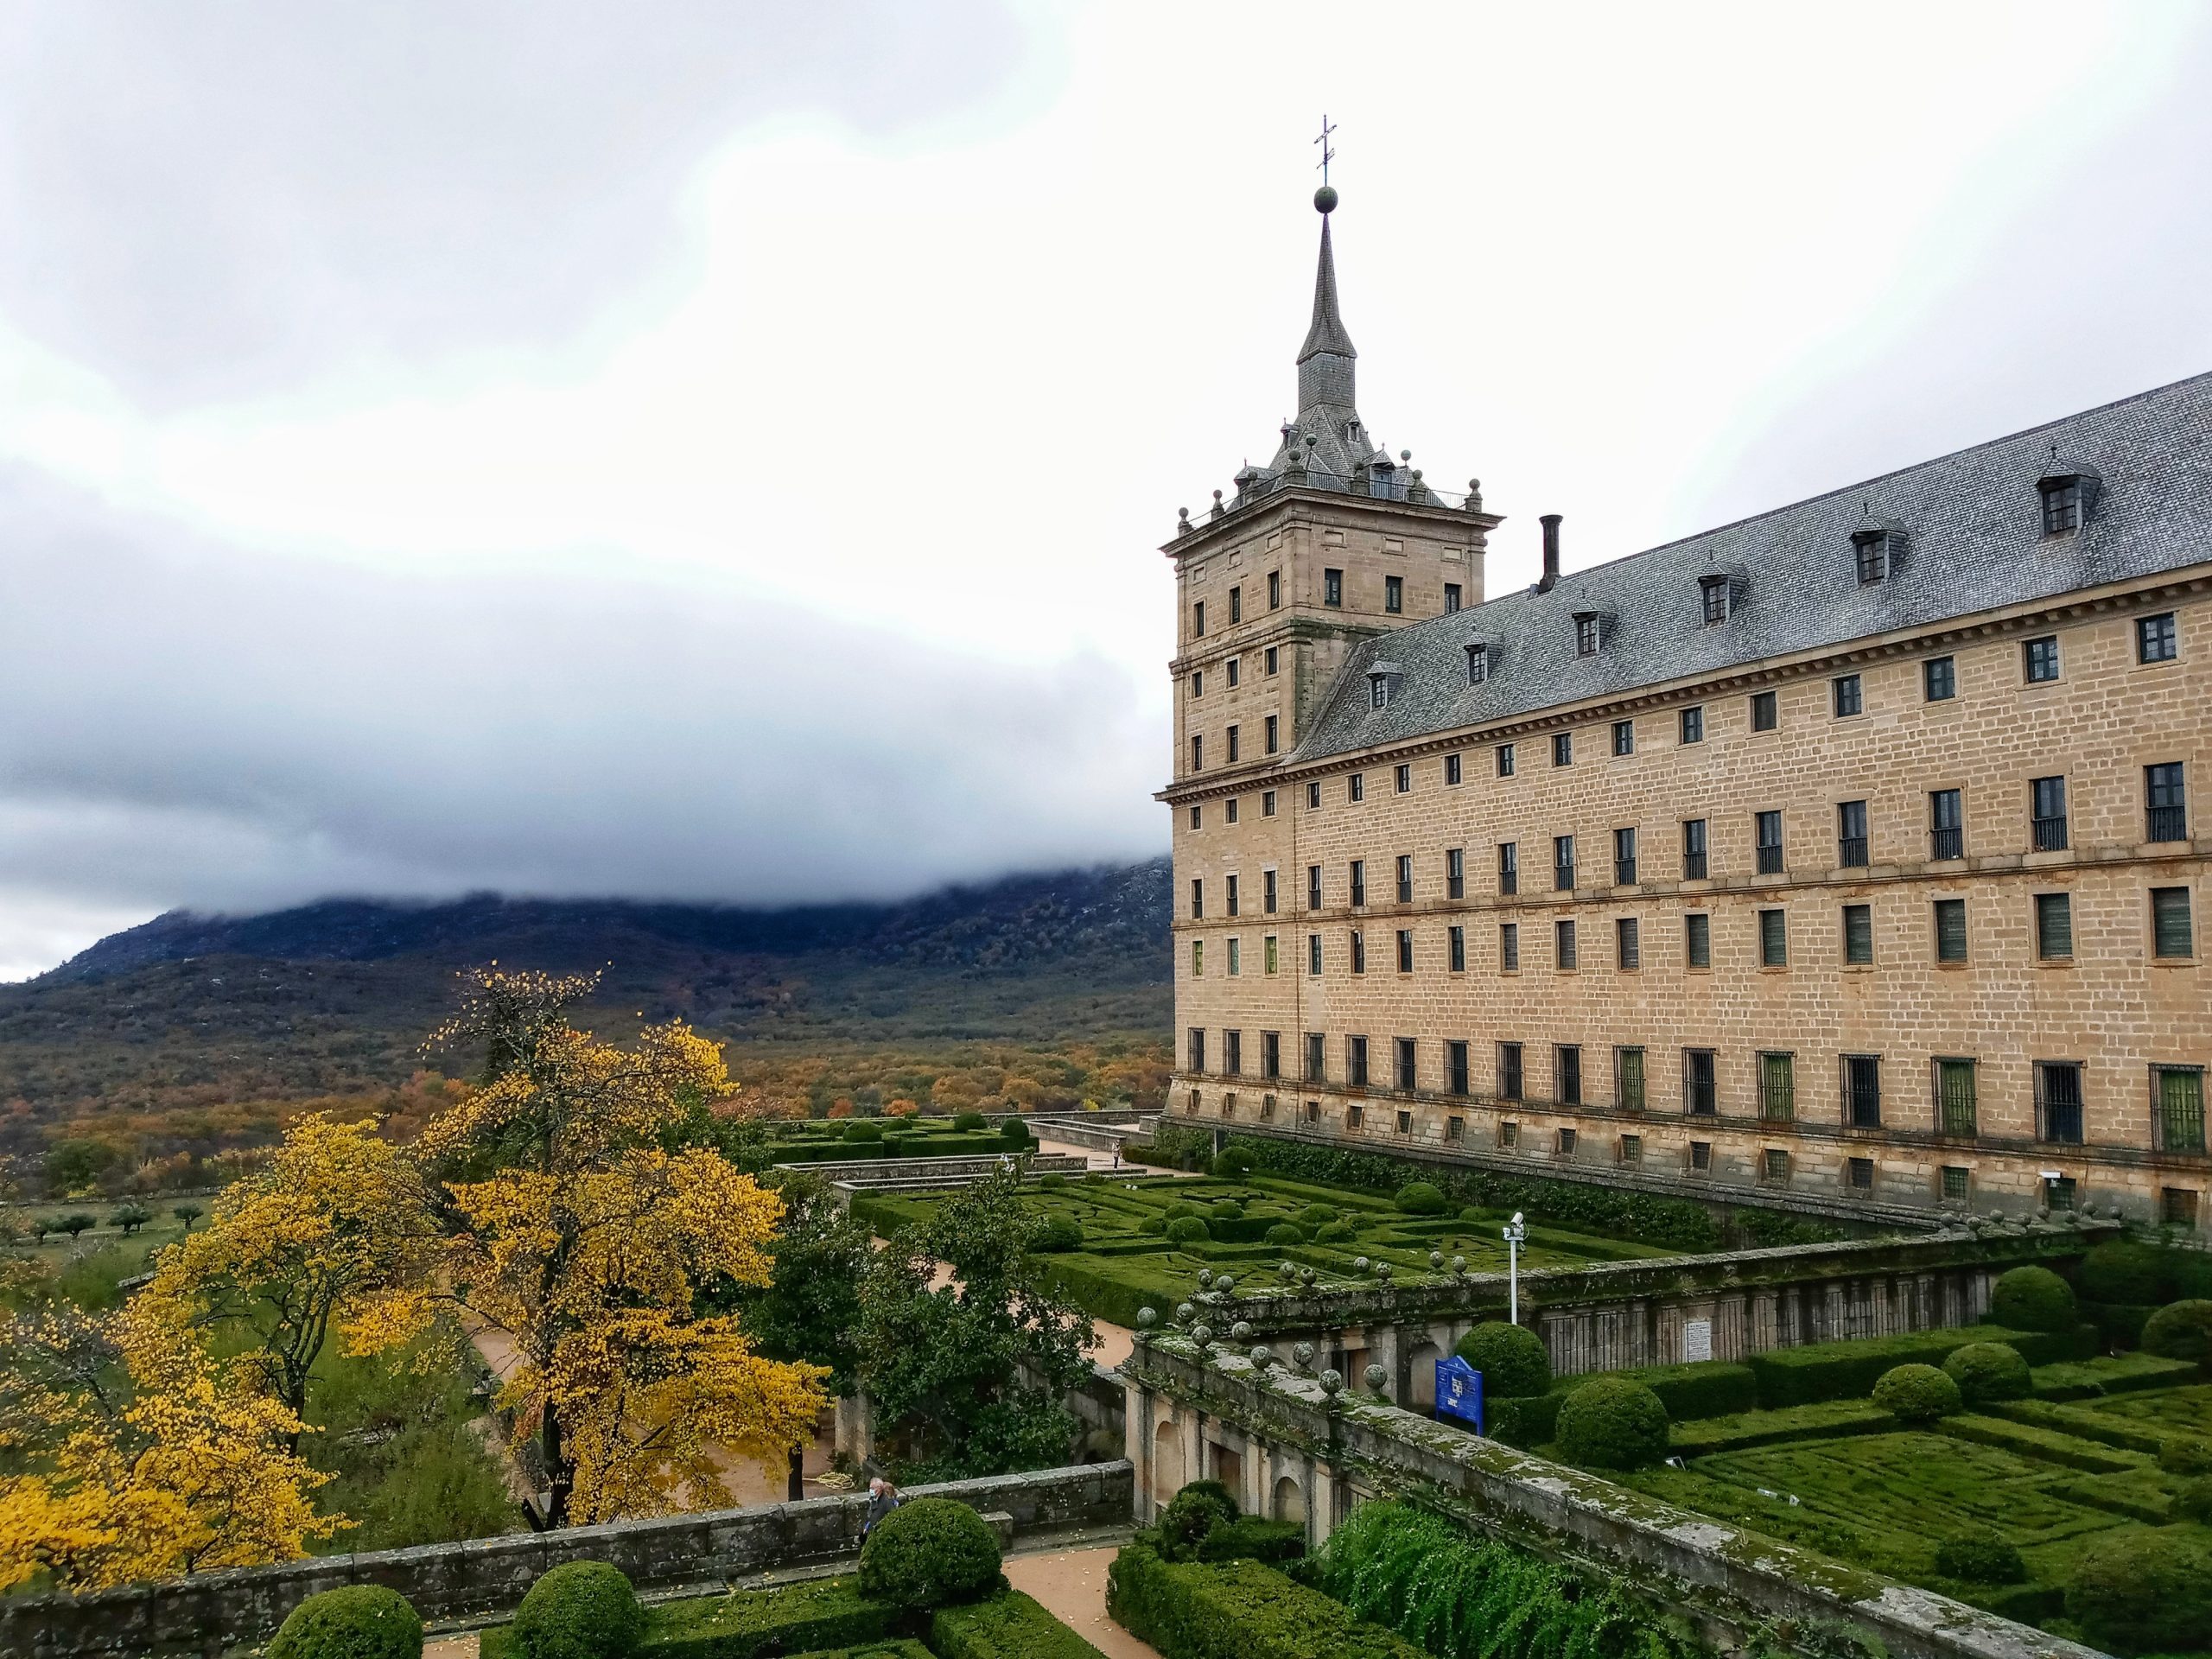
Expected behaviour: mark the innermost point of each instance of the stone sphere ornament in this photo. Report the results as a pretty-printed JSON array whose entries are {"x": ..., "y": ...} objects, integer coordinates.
[
  {"x": 1185, "y": 1313},
  {"x": 1302, "y": 1354},
  {"x": 1383, "y": 1270},
  {"x": 1224, "y": 1284},
  {"x": 1436, "y": 1258},
  {"x": 1240, "y": 1332},
  {"x": 1459, "y": 1264},
  {"x": 1307, "y": 1275},
  {"x": 1261, "y": 1357},
  {"x": 1288, "y": 1269},
  {"x": 1359, "y": 1264},
  {"x": 1330, "y": 1382},
  {"x": 1202, "y": 1334},
  {"x": 1147, "y": 1318},
  {"x": 1205, "y": 1278},
  {"x": 1377, "y": 1379}
]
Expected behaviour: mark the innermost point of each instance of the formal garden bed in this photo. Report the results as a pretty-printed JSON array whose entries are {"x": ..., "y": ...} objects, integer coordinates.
[
  {"x": 856, "y": 1140},
  {"x": 1117, "y": 1243}
]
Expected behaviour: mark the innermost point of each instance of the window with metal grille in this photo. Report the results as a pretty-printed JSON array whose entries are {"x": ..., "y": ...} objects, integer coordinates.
[
  {"x": 1699, "y": 1095},
  {"x": 1402, "y": 778},
  {"x": 1862, "y": 1092},
  {"x": 1317, "y": 1058},
  {"x": 1768, "y": 829},
  {"x": 1267, "y": 892},
  {"x": 1405, "y": 950},
  {"x": 1455, "y": 1129},
  {"x": 1509, "y": 1071},
  {"x": 1562, "y": 748},
  {"x": 2155, "y": 639},
  {"x": 1405, "y": 1058},
  {"x": 1848, "y": 696},
  {"x": 2054, "y": 926},
  {"x": 2041, "y": 659},
  {"x": 1236, "y": 605},
  {"x": 1624, "y": 857},
  {"x": 2058, "y": 1193},
  {"x": 1455, "y": 1067},
  {"x": 1405, "y": 873},
  {"x": 2177, "y": 1108},
  {"x": 1778, "y": 1088},
  {"x": 1198, "y": 754},
  {"x": 1271, "y": 1054},
  {"x": 1939, "y": 679},
  {"x": 1628, "y": 1079},
  {"x": 1773, "y": 1165},
  {"x": 1358, "y": 878},
  {"x": 1509, "y": 867},
  {"x": 1312, "y": 1111},
  {"x": 2059, "y": 1102},
  {"x": 1950, "y": 929},
  {"x": 1455, "y": 873},
  {"x": 1359, "y": 951},
  {"x": 2177, "y": 1206},
  {"x": 1631, "y": 1148},
  {"x": 1191, "y": 1102},
  {"x": 2172, "y": 934},
  {"x": 1955, "y": 1097},
  {"x": 1356, "y": 1061},
  {"x": 1405, "y": 1123},
  {"x": 1477, "y": 665},
  {"x": 1394, "y": 595},
  {"x": 1563, "y": 863},
  {"x": 2166, "y": 803},
  {"x": 1196, "y": 816},
  {"x": 1198, "y": 1048},
  {"x": 1567, "y": 1143},
  {"x": 1628, "y": 946},
  {"x": 1713, "y": 591},
  {"x": 1872, "y": 547},
  {"x": 1355, "y": 1117},
  {"x": 1231, "y": 895},
  {"x": 1859, "y": 1172},
  {"x": 1851, "y": 850},
  {"x": 1267, "y": 1109},
  {"x": 1694, "y": 858},
  {"x": 2062, "y": 504},
  {"x": 1945, "y": 825},
  {"x": 1228, "y": 1105},
  {"x": 1624, "y": 737},
  {"x": 1274, "y": 590},
  {"x": 1563, "y": 940},
  {"x": 1508, "y": 948},
  {"x": 2047, "y": 813},
  {"x": 1766, "y": 714},
  {"x": 1774, "y": 939},
  {"x": 1566, "y": 1071},
  {"x": 1232, "y": 1052},
  {"x": 1858, "y": 934},
  {"x": 1700, "y": 1156},
  {"x": 1509, "y": 1135},
  {"x": 1954, "y": 1187},
  {"x": 1693, "y": 725},
  {"x": 1458, "y": 938},
  {"x": 1697, "y": 940},
  {"x": 1332, "y": 587},
  {"x": 1313, "y": 954}
]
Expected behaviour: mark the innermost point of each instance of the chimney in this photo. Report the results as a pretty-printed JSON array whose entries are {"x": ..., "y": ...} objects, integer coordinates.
[{"x": 1550, "y": 522}]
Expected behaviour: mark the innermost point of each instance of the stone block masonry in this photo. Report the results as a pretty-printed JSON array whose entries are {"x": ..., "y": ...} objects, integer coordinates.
[{"x": 210, "y": 1612}]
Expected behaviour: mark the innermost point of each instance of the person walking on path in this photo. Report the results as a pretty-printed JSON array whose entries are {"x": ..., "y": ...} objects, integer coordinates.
[{"x": 882, "y": 1499}]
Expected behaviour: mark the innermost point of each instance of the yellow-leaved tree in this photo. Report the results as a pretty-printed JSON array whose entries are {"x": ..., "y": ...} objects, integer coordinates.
[
  {"x": 336, "y": 1236},
  {"x": 583, "y": 1239},
  {"x": 132, "y": 1454}
]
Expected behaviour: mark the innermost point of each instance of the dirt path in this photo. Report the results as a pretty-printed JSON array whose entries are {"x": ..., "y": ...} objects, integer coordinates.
[{"x": 1072, "y": 1587}]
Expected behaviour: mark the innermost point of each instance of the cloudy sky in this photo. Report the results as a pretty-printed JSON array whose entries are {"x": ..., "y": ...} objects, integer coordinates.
[{"x": 720, "y": 450}]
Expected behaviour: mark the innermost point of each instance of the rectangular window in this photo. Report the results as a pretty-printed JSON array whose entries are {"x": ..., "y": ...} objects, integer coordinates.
[
  {"x": 1312, "y": 886},
  {"x": 1232, "y": 1052},
  {"x": 1851, "y": 850},
  {"x": 1356, "y": 1061},
  {"x": 1232, "y": 895},
  {"x": 1455, "y": 873},
  {"x": 1455, "y": 1067},
  {"x": 1405, "y": 1059},
  {"x": 1694, "y": 858},
  {"x": 1451, "y": 770},
  {"x": 1713, "y": 591},
  {"x": 1508, "y": 1070},
  {"x": 1628, "y": 1079},
  {"x": 2040, "y": 657},
  {"x": 1405, "y": 1123},
  {"x": 1405, "y": 950},
  {"x": 1774, "y": 939},
  {"x": 1332, "y": 587},
  {"x": 1232, "y": 809},
  {"x": 1359, "y": 951},
  {"x": 1693, "y": 725},
  {"x": 1563, "y": 863},
  {"x": 1778, "y": 1088},
  {"x": 1317, "y": 1058},
  {"x": 1563, "y": 945},
  {"x": 1274, "y": 661},
  {"x": 2166, "y": 803},
  {"x": 1509, "y": 867},
  {"x": 1197, "y": 959},
  {"x": 1945, "y": 825},
  {"x": 1955, "y": 1097},
  {"x": 1236, "y": 605},
  {"x": 1505, "y": 759},
  {"x": 1631, "y": 1148},
  {"x": 1355, "y": 787},
  {"x": 1457, "y": 938},
  {"x": 2154, "y": 639},
  {"x": 1859, "y": 1172},
  {"x": 1359, "y": 883},
  {"x": 1624, "y": 857},
  {"x": 1628, "y": 947},
  {"x": 1955, "y": 1183},
  {"x": 1405, "y": 878},
  {"x": 1508, "y": 948},
  {"x": 1586, "y": 635},
  {"x": 1197, "y": 818},
  {"x": 1236, "y": 955},
  {"x": 2054, "y": 926},
  {"x": 2171, "y": 935},
  {"x": 1268, "y": 893},
  {"x": 1700, "y": 1156},
  {"x": 1697, "y": 940},
  {"x": 1939, "y": 679},
  {"x": 1624, "y": 737},
  {"x": 1198, "y": 1047},
  {"x": 2047, "y": 813},
  {"x": 1774, "y": 1165},
  {"x": 1274, "y": 590},
  {"x": 1862, "y": 1092},
  {"x": 1401, "y": 778},
  {"x": 1197, "y": 682},
  {"x": 2177, "y": 1206},
  {"x": 1232, "y": 745},
  {"x": 1313, "y": 956},
  {"x": 1849, "y": 699},
  {"x": 1198, "y": 619},
  {"x": 1235, "y": 670},
  {"x": 1313, "y": 797},
  {"x": 1700, "y": 1093},
  {"x": 1765, "y": 716},
  {"x": 1198, "y": 899},
  {"x": 1268, "y": 955},
  {"x": 1275, "y": 733},
  {"x": 1455, "y": 1130},
  {"x": 1270, "y": 1054},
  {"x": 2177, "y": 1108},
  {"x": 2059, "y": 1102},
  {"x": 1451, "y": 597},
  {"x": 1566, "y": 1073},
  {"x": 1198, "y": 753},
  {"x": 1768, "y": 828},
  {"x": 1562, "y": 748},
  {"x": 1859, "y": 935},
  {"x": 1509, "y": 1135},
  {"x": 1394, "y": 595},
  {"x": 1950, "y": 929}
]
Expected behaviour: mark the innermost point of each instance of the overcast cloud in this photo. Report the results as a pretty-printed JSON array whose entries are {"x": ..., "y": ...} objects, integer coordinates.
[{"x": 721, "y": 451}]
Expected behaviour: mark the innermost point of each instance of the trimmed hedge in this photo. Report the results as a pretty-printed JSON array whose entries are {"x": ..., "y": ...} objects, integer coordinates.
[
  {"x": 582, "y": 1610},
  {"x": 359, "y": 1621},
  {"x": 1423, "y": 1199},
  {"x": 930, "y": 1551},
  {"x": 1250, "y": 1538},
  {"x": 1189, "y": 1229},
  {"x": 2181, "y": 1331},
  {"x": 1704, "y": 1388},
  {"x": 1612, "y": 1423},
  {"x": 1849, "y": 1368},
  {"x": 2031, "y": 1298},
  {"x": 1009, "y": 1625},
  {"x": 2143, "y": 1591},
  {"x": 1058, "y": 1234},
  {"x": 1980, "y": 1555},
  {"x": 1988, "y": 1370},
  {"x": 914, "y": 1146},
  {"x": 1917, "y": 1394},
  {"x": 1236, "y": 1609},
  {"x": 793, "y": 1618},
  {"x": 1512, "y": 1358}
]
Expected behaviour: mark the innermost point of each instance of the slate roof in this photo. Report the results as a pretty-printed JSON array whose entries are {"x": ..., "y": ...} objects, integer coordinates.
[{"x": 1974, "y": 526}]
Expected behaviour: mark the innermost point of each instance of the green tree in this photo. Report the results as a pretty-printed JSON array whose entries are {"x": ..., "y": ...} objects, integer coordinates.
[
  {"x": 76, "y": 1222},
  {"x": 187, "y": 1213},
  {"x": 73, "y": 1165},
  {"x": 944, "y": 1365},
  {"x": 131, "y": 1217}
]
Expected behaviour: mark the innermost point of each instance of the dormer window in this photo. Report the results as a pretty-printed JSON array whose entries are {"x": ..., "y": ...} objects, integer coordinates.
[
  {"x": 1478, "y": 664},
  {"x": 1378, "y": 690},
  {"x": 1872, "y": 548},
  {"x": 1712, "y": 591},
  {"x": 2062, "y": 504},
  {"x": 1588, "y": 634},
  {"x": 1351, "y": 431}
]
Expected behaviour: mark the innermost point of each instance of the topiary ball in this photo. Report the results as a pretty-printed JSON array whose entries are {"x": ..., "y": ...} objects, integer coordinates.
[
  {"x": 585, "y": 1610},
  {"x": 1225, "y": 1210},
  {"x": 1318, "y": 1215},
  {"x": 2031, "y": 1298},
  {"x": 1231, "y": 1163},
  {"x": 1334, "y": 1232},
  {"x": 1980, "y": 1555},
  {"x": 1987, "y": 1371},
  {"x": 1184, "y": 1209},
  {"x": 1611, "y": 1422},
  {"x": 1191, "y": 1517},
  {"x": 929, "y": 1551},
  {"x": 2181, "y": 1331},
  {"x": 1285, "y": 1232},
  {"x": 2143, "y": 1591},
  {"x": 1422, "y": 1198},
  {"x": 1015, "y": 1133},
  {"x": 361, "y": 1621},
  {"x": 1051, "y": 1182},
  {"x": 968, "y": 1122},
  {"x": 1188, "y": 1230},
  {"x": 1916, "y": 1393},
  {"x": 1512, "y": 1358},
  {"x": 1057, "y": 1235}
]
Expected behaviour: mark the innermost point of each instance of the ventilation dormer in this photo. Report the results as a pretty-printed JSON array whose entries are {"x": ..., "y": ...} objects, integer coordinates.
[
  {"x": 1479, "y": 662},
  {"x": 1720, "y": 592},
  {"x": 2068, "y": 494},
  {"x": 1382, "y": 683},
  {"x": 1877, "y": 547},
  {"x": 1593, "y": 632}
]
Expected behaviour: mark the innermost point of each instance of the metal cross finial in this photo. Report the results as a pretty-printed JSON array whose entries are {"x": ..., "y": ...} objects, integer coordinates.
[{"x": 1328, "y": 154}]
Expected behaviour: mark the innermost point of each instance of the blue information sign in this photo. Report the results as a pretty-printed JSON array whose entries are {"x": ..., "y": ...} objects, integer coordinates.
[{"x": 1459, "y": 1391}]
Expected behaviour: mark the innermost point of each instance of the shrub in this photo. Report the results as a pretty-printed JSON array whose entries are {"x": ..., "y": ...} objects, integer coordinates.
[
  {"x": 1014, "y": 1131},
  {"x": 2143, "y": 1591},
  {"x": 1335, "y": 1232},
  {"x": 1225, "y": 1210},
  {"x": 2181, "y": 1331},
  {"x": 2031, "y": 1298},
  {"x": 1184, "y": 1209},
  {"x": 1511, "y": 1358},
  {"x": 1191, "y": 1517},
  {"x": 1232, "y": 1163},
  {"x": 1249, "y": 1538},
  {"x": 1612, "y": 1423},
  {"x": 863, "y": 1128},
  {"x": 1059, "y": 1235},
  {"x": 2185, "y": 1454},
  {"x": 1916, "y": 1393},
  {"x": 899, "y": 1146},
  {"x": 2193, "y": 1501},
  {"x": 969, "y": 1122},
  {"x": 1985, "y": 1371},
  {"x": 1236, "y": 1609},
  {"x": 361, "y": 1621},
  {"x": 585, "y": 1610},
  {"x": 1189, "y": 1229},
  {"x": 1285, "y": 1232},
  {"x": 802, "y": 1617},
  {"x": 1318, "y": 1215},
  {"x": 1054, "y": 1183},
  {"x": 1009, "y": 1625},
  {"x": 1980, "y": 1555},
  {"x": 1847, "y": 1369},
  {"x": 2121, "y": 1270},
  {"x": 927, "y": 1551},
  {"x": 1422, "y": 1198}
]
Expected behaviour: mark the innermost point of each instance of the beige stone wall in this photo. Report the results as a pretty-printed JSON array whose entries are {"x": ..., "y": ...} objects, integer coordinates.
[{"x": 2113, "y": 1007}]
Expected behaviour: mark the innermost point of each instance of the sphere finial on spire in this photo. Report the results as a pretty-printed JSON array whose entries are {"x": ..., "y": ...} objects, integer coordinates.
[{"x": 1325, "y": 200}]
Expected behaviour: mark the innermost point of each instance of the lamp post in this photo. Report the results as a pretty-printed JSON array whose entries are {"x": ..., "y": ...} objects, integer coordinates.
[{"x": 1516, "y": 1234}]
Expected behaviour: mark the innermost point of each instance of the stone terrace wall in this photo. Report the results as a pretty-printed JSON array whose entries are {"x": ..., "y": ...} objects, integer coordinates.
[{"x": 215, "y": 1610}]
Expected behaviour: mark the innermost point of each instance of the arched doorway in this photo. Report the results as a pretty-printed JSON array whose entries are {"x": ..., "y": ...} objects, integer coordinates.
[
  {"x": 1420, "y": 1381},
  {"x": 1167, "y": 1460},
  {"x": 1290, "y": 1501}
]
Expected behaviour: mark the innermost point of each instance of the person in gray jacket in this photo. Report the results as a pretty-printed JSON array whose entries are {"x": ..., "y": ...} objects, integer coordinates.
[{"x": 882, "y": 1499}]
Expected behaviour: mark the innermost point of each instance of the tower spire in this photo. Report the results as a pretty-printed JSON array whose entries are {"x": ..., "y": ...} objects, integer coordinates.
[{"x": 1324, "y": 362}]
